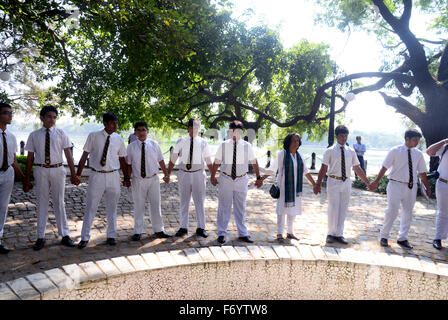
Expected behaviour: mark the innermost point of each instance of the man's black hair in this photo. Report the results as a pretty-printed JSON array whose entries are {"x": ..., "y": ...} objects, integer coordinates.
[
  {"x": 140, "y": 124},
  {"x": 288, "y": 139},
  {"x": 411, "y": 133},
  {"x": 4, "y": 105},
  {"x": 341, "y": 129},
  {"x": 46, "y": 109},
  {"x": 109, "y": 116},
  {"x": 192, "y": 121},
  {"x": 236, "y": 125}
]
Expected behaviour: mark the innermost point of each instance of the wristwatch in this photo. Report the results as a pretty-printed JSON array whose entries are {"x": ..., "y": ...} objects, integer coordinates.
[{"x": 258, "y": 177}]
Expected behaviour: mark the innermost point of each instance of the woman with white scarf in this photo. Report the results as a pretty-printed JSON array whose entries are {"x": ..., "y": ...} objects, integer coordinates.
[{"x": 291, "y": 168}]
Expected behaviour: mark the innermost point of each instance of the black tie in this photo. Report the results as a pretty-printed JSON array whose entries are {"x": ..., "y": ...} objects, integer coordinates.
[
  {"x": 411, "y": 176},
  {"x": 106, "y": 147},
  {"x": 143, "y": 164},
  {"x": 5, "y": 153},
  {"x": 344, "y": 177},
  {"x": 47, "y": 147},
  {"x": 191, "y": 154},
  {"x": 234, "y": 161}
]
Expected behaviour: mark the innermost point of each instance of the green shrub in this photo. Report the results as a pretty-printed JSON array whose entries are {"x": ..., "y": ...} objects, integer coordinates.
[
  {"x": 21, "y": 159},
  {"x": 22, "y": 164}
]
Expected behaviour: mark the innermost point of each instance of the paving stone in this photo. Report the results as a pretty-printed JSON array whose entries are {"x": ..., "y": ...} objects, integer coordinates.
[
  {"x": 166, "y": 259},
  {"x": 180, "y": 257},
  {"x": 92, "y": 270},
  {"x": 59, "y": 278},
  {"x": 206, "y": 254},
  {"x": 218, "y": 253},
  {"x": 108, "y": 267},
  {"x": 331, "y": 253},
  {"x": 193, "y": 255},
  {"x": 231, "y": 253},
  {"x": 281, "y": 252},
  {"x": 23, "y": 289},
  {"x": 152, "y": 260},
  {"x": 305, "y": 252},
  {"x": 318, "y": 253},
  {"x": 75, "y": 272},
  {"x": 6, "y": 293},
  {"x": 269, "y": 252},
  {"x": 243, "y": 252},
  {"x": 138, "y": 263},
  {"x": 293, "y": 252},
  {"x": 256, "y": 252},
  {"x": 123, "y": 264},
  {"x": 43, "y": 284}
]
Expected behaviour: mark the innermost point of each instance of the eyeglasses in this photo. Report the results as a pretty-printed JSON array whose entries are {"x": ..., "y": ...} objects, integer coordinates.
[
  {"x": 141, "y": 130},
  {"x": 9, "y": 113}
]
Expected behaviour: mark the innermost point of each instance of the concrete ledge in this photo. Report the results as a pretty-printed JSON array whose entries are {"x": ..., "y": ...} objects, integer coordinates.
[{"x": 227, "y": 272}]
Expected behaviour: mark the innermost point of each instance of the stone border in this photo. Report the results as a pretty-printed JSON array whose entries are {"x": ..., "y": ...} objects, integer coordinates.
[{"x": 52, "y": 284}]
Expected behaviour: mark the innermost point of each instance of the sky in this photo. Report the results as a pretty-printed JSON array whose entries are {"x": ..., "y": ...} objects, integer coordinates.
[{"x": 358, "y": 52}]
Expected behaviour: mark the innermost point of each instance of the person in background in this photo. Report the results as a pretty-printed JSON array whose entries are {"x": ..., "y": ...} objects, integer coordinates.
[
  {"x": 291, "y": 169},
  {"x": 9, "y": 165},
  {"x": 404, "y": 162},
  {"x": 360, "y": 149},
  {"x": 440, "y": 149},
  {"x": 45, "y": 147}
]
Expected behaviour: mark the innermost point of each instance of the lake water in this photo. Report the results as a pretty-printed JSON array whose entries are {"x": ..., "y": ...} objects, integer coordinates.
[{"x": 374, "y": 157}]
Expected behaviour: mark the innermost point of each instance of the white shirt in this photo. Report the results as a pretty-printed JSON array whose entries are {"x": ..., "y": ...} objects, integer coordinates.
[
  {"x": 153, "y": 155},
  {"x": 58, "y": 142},
  {"x": 443, "y": 165},
  {"x": 200, "y": 152},
  {"x": 244, "y": 154},
  {"x": 360, "y": 148},
  {"x": 332, "y": 158},
  {"x": 95, "y": 145},
  {"x": 11, "y": 143},
  {"x": 278, "y": 164},
  {"x": 397, "y": 163}
]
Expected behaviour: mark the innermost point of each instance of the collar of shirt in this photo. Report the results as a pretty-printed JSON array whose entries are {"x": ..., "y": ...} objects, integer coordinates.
[
  {"x": 45, "y": 129},
  {"x": 6, "y": 131},
  {"x": 141, "y": 142},
  {"x": 106, "y": 134}
]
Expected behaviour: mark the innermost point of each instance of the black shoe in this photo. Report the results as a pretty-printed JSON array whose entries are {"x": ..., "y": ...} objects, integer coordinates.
[
  {"x": 4, "y": 250},
  {"x": 39, "y": 244},
  {"x": 201, "y": 232},
  {"x": 162, "y": 234},
  {"x": 405, "y": 244},
  {"x": 246, "y": 239},
  {"x": 181, "y": 232},
  {"x": 291, "y": 236},
  {"x": 330, "y": 239},
  {"x": 341, "y": 240},
  {"x": 437, "y": 244},
  {"x": 82, "y": 244},
  {"x": 66, "y": 241},
  {"x": 136, "y": 237},
  {"x": 383, "y": 242},
  {"x": 111, "y": 241},
  {"x": 221, "y": 239}
]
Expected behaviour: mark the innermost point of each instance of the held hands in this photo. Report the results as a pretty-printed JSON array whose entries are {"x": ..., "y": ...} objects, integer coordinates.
[
  {"x": 316, "y": 189},
  {"x": 213, "y": 180},
  {"x": 76, "y": 180},
  {"x": 166, "y": 179},
  {"x": 373, "y": 185},
  {"x": 27, "y": 186},
  {"x": 259, "y": 183}
]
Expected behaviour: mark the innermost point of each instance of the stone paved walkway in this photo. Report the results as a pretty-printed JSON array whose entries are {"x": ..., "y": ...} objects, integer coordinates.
[{"x": 364, "y": 220}]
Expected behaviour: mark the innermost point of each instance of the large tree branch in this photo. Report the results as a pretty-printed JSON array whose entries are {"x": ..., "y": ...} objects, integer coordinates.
[{"x": 404, "y": 107}]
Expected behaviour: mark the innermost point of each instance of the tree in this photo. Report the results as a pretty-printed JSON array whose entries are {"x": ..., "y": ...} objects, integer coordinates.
[{"x": 412, "y": 70}]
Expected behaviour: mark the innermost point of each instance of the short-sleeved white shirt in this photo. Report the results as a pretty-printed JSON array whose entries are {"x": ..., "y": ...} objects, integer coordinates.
[
  {"x": 244, "y": 154},
  {"x": 95, "y": 145},
  {"x": 201, "y": 151},
  {"x": 11, "y": 143},
  {"x": 332, "y": 158},
  {"x": 397, "y": 163},
  {"x": 359, "y": 148},
  {"x": 58, "y": 142},
  {"x": 443, "y": 165},
  {"x": 153, "y": 155}
]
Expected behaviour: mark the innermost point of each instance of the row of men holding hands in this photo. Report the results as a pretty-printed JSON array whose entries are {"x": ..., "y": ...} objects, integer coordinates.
[{"x": 142, "y": 159}]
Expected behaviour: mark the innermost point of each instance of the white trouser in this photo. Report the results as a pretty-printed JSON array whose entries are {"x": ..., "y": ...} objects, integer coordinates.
[
  {"x": 399, "y": 194},
  {"x": 192, "y": 185},
  {"x": 99, "y": 184},
  {"x": 338, "y": 193},
  {"x": 232, "y": 191},
  {"x": 442, "y": 210},
  {"x": 6, "y": 185},
  {"x": 142, "y": 190},
  {"x": 50, "y": 180},
  {"x": 281, "y": 223}
]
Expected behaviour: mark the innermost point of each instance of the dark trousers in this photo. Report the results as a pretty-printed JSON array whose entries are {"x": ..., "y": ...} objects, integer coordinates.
[{"x": 362, "y": 165}]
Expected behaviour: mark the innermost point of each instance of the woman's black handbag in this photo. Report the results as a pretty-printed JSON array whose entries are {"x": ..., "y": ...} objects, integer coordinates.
[{"x": 275, "y": 191}]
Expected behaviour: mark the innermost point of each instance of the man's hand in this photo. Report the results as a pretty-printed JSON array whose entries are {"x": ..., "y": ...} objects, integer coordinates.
[
  {"x": 127, "y": 183},
  {"x": 214, "y": 181},
  {"x": 27, "y": 186},
  {"x": 166, "y": 179},
  {"x": 316, "y": 189},
  {"x": 373, "y": 185},
  {"x": 259, "y": 183},
  {"x": 428, "y": 192}
]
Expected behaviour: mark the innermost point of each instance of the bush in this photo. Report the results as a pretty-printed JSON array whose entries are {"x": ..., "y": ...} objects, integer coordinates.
[{"x": 22, "y": 164}]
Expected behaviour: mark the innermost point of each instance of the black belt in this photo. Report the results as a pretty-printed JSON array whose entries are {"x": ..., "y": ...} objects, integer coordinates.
[
  {"x": 48, "y": 165},
  {"x": 236, "y": 176},
  {"x": 443, "y": 180},
  {"x": 338, "y": 178},
  {"x": 104, "y": 171},
  {"x": 410, "y": 184},
  {"x": 190, "y": 170},
  {"x": 1, "y": 169}
]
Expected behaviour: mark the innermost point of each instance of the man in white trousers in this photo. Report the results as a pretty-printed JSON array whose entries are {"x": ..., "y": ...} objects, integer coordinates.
[
  {"x": 143, "y": 158},
  {"x": 440, "y": 149},
  {"x": 107, "y": 155},
  {"x": 337, "y": 162},
  {"x": 9, "y": 165},
  {"x": 45, "y": 147},
  {"x": 234, "y": 155},
  {"x": 404, "y": 162},
  {"x": 192, "y": 151}
]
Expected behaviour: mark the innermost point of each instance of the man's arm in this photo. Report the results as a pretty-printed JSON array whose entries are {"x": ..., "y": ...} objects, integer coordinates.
[
  {"x": 162, "y": 165},
  {"x": 17, "y": 170},
  {"x": 73, "y": 177},
  {"x": 361, "y": 174},
  {"x": 320, "y": 177},
  {"x": 258, "y": 182},
  {"x": 124, "y": 169},
  {"x": 424, "y": 180},
  {"x": 81, "y": 163},
  {"x": 432, "y": 149},
  {"x": 215, "y": 167},
  {"x": 27, "y": 186},
  {"x": 374, "y": 183}
]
